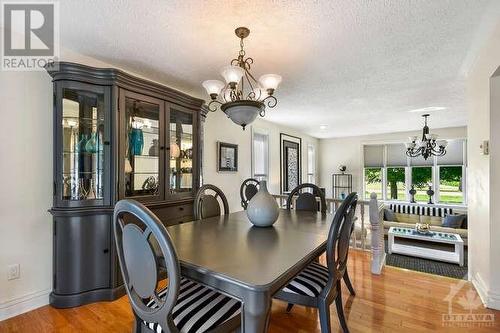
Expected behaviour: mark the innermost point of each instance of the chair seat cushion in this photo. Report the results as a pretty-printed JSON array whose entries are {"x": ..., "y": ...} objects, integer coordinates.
[
  {"x": 198, "y": 309},
  {"x": 309, "y": 282}
]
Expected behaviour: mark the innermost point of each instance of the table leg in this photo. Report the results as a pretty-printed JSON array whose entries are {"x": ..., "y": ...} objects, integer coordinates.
[
  {"x": 256, "y": 310},
  {"x": 459, "y": 248},
  {"x": 390, "y": 241}
]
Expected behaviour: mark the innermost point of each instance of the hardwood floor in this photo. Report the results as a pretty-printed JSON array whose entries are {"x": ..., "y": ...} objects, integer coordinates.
[{"x": 397, "y": 301}]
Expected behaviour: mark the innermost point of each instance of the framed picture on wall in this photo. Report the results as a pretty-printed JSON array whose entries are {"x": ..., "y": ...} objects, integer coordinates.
[
  {"x": 291, "y": 162},
  {"x": 227, "y": 157}
]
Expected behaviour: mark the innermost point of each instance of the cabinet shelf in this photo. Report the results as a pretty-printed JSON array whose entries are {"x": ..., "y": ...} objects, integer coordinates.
[
  {"x": 101, "y": 152},
  {"x": 143, "y": 173},
  {"x": 82, "y": 172},
  {"x": 145, "y": 156}
]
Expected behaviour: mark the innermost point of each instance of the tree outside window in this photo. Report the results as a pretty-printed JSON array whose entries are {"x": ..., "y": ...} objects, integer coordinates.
[
  {"x": 421, "y": 178},
  {"x": 373, "y": 182},
  {"x": 396, "y": 186},
  {"x": 450, "y": 184}
]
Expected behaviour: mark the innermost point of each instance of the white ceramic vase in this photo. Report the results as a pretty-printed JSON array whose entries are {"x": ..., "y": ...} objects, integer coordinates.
[{"x": 262, "y": 209}]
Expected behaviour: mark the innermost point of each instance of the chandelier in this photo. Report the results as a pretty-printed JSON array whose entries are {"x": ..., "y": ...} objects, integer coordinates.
[
  {"x": 427, "y": 146},
  {"x": 242, "y": 98}
]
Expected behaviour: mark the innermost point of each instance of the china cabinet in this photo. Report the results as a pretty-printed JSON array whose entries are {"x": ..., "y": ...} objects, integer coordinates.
[{"x": 115, "y": 136}]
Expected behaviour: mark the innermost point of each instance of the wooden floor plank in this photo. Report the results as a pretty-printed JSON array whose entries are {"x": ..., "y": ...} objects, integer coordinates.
[{"x": 397, "y": 301}]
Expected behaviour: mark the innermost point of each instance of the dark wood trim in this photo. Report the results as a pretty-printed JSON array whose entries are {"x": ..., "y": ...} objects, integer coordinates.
[
  {"x": 113, "y": 76},
  {"x": 281, "y": 158},
  {"x": 70, "y": 301},
  {"x": 220, "y": 145}
]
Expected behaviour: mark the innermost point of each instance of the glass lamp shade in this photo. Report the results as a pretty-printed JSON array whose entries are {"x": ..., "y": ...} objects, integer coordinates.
[
  {"x": 213, "y": 86},
  {"x": 270, "y": 81},
  {"x": 243, "y": 112},
  {"x": 431, "y": 136},
  {"x": 232, "y": 74},
  {"x": 412, "y": 138},
  {"x": 410, "y": 145},
  {"x": 441, "y": 143}
]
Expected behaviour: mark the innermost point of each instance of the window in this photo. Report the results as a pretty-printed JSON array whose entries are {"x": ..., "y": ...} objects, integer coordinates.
[
  {"x": 396, "y": 185},
  {"x": 450, "y": 185},
  {"x": 451, "y": 172},
  {"x": 373, "y": 182},
  {"x": 260, "y": 152},
  {"x": 421, "y": 179},
  {"x": 390, "y": 173},
  {"x": 374, "y": 161},
  {"x": 311, "y": 164}
]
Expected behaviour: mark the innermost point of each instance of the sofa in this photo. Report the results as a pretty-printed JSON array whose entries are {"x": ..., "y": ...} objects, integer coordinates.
[{"x": 407, "y": 215}]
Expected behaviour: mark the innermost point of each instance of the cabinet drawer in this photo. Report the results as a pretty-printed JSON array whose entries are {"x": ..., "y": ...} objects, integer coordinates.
[{"x": 171, "y": 215}]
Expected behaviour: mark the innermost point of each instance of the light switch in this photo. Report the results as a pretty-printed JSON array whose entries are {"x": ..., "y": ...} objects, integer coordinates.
[{"x": 485, "y": 147}]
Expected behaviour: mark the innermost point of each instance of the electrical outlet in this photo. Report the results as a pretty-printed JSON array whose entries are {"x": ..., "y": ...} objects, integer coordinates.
[{"x": 14, "y": 272}]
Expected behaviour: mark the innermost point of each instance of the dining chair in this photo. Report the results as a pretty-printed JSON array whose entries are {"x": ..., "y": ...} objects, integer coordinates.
[
  {"x": 307, "y": 200},
  {"x": 248, "y": 189},
  {"x": 207, "y": 205},
  {"x": 182, "y": 305},
  {"x": 317, "y": 285}
]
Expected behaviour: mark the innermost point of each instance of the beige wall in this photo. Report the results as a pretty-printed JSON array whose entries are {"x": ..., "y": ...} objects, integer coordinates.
[
  {"x": 349, "y": 151},
  {"x": 483, "y": 187},
  {"x": 220, "y": 128}
]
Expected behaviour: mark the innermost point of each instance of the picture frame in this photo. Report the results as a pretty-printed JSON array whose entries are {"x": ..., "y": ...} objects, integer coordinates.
[
  {"x": 290, "y": 162},
  {"x": 227, "y": 157}
]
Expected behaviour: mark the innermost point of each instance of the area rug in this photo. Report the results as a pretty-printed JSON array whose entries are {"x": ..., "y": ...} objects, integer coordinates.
[{"x": 428, "y": 266}]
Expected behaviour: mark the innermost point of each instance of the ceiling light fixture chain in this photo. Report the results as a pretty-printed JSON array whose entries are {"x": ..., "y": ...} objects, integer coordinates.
[
  {"x": 242, "y": 97},
  {"x": 427, "y": 146}
]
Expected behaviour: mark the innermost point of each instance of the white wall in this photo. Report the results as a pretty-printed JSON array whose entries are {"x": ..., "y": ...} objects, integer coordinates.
[
  {"x": 26, "y": 169},
  {"x": 220, "y": 128},
  {"x": 483, "y": 187},
  {"x": 349, "y": 151}
]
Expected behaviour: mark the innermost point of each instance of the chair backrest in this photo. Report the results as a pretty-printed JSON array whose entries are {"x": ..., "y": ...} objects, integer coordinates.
[
  {"x": 339, "y": 235},
  {"x": 248, "y": 189},
  {"x": 307, "y": 200},
  {"x": 140, "y": 238},
  {"x": 207, "y": 205}
]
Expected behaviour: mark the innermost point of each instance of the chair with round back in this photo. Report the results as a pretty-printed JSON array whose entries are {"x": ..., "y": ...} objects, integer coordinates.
[
  {"x": 306, "y": 200},
  {"x": 207, "y": 205},
  {"x": 317, "y": 285},
  {"x": 248, "y": 189},
  {"x": 142, "y": 242}
]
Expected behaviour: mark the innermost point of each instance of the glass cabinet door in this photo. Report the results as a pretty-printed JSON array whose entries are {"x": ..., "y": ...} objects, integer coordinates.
[
  {"x": 84, "y": 140},
  {"x": 143, "y": 147},
  {"x": 182, "y": 152}
]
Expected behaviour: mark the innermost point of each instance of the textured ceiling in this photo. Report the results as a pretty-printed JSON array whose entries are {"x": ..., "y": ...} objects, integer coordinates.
[{"x": 357, "y": 66}]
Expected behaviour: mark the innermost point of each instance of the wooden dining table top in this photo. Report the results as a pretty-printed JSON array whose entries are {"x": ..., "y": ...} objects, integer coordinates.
[{"x": 230, "y": 248}]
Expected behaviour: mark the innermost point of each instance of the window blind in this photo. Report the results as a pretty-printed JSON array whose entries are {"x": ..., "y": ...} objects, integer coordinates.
[
  {"x": 396, "y": 155},
  {"x": 374, "y": 156},
  {"x": 454, "y": 153}
]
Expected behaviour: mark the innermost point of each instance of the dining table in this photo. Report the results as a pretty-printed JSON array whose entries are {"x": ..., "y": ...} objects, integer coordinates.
[{"x": 247, "y": 262}]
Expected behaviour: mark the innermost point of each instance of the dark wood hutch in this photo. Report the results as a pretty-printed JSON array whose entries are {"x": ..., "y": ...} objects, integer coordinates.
[{"x": 115, "y": 136}]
